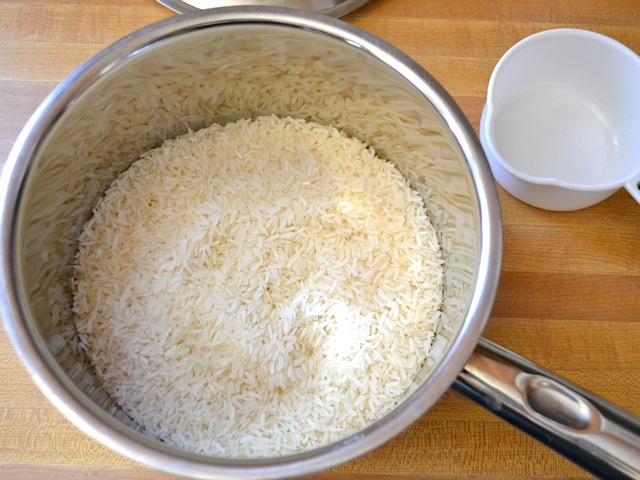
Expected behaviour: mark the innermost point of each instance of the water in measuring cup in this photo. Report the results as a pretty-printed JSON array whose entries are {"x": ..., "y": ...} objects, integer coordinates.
[{"x": 554, "y": 134}]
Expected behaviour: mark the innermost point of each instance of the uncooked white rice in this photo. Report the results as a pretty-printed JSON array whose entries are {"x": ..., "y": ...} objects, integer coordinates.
[{"x": 258, "y": 288}]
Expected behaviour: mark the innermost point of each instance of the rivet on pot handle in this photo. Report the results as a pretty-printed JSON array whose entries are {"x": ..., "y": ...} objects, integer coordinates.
[{"x": 589, "y": 431}]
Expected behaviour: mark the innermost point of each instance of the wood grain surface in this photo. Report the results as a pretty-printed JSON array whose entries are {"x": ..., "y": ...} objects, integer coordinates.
[{"x": 568, "y": 297}]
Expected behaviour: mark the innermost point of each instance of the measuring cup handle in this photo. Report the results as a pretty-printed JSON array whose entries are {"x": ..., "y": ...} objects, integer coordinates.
[
  {"x": 593, "y": 433},
  {"x": 633, "y": 187}
]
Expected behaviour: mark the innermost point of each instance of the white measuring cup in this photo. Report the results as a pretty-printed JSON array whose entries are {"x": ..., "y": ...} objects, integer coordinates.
[{"x": 561, "y": 126}]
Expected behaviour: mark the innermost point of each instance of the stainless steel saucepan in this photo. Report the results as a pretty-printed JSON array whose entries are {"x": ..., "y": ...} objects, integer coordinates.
[{"x": 195, "y": 69}]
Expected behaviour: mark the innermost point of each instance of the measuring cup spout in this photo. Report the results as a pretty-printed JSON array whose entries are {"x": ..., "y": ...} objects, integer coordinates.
[{"x": 633, "y": 187}]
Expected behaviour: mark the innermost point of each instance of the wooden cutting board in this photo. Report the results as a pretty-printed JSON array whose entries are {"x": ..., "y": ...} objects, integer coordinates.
[{"x": 570, "y": 281}]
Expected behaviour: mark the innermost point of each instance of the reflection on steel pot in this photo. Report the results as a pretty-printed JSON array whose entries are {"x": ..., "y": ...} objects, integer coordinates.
[
  {"x": 334, "y": 8},
  {"x": 192, "y": 70}
]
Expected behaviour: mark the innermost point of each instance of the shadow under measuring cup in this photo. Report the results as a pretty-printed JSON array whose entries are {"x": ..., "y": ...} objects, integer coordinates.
[{"x": 561, "y": 126}]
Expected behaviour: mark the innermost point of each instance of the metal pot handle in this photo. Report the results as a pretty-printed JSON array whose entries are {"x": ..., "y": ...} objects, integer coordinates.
[{"x": 591, "y": 432}]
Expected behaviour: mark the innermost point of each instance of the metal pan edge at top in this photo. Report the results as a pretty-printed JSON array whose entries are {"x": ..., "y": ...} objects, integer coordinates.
[{"x": 333, "y": 8}]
